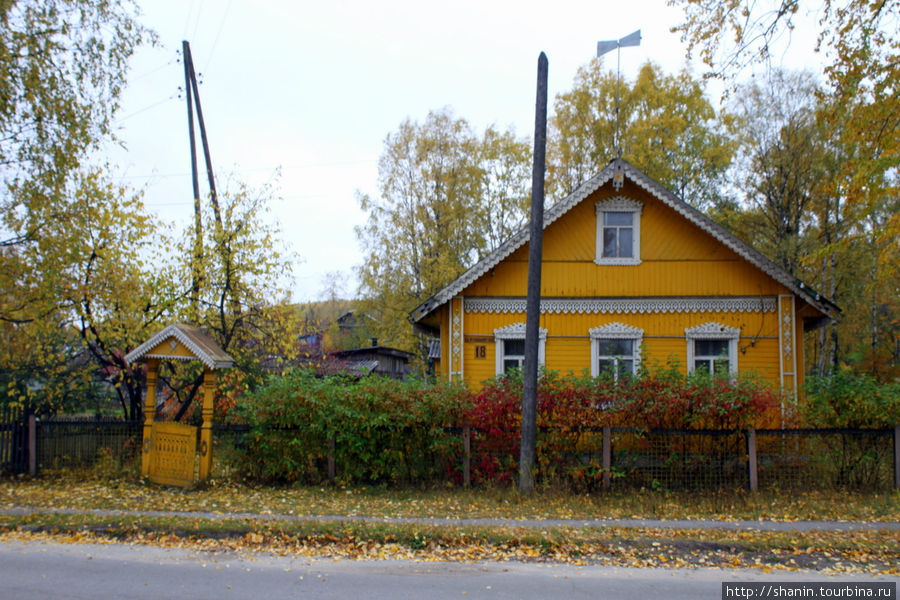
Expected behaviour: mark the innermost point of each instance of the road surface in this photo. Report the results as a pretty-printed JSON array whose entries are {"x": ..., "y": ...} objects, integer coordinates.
[{"x": 38, "y": 570}]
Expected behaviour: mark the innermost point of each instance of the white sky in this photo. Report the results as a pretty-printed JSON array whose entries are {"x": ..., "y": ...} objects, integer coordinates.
[{"x": 313, "y": 87}]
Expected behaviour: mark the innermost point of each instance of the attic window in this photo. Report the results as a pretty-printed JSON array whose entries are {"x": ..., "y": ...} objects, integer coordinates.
[{"x": 618, "y": 232}]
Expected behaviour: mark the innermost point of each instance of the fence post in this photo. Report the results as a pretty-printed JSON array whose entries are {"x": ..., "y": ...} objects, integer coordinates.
[
  {"x": 751, "y": 460},
  {"x": 897, "y": 457},
  {"x": 331, "y": 467},
  {"x": 607, "y": 457},
  {"x": 467, "y": 456},
  {"x": 32, "y": 445}
]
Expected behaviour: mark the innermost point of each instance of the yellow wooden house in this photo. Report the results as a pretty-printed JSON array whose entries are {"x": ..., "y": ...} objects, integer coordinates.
[{"x": 630, "y": 273}]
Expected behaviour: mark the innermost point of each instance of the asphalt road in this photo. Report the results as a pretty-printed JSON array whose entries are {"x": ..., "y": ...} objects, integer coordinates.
[{"x": 32, "y": 570}]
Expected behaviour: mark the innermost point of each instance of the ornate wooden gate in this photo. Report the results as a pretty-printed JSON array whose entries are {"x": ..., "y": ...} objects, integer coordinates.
[
  {"x": 173, "y": 456},
  {"x": 169, "y": 453}
]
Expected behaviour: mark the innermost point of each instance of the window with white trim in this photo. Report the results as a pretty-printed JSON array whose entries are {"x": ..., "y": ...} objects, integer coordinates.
[
  {"x": 510, "y": 347},
  {"x": 712, "y": 348},
  {"x": 615, "y": 349},
  {"x": 618, "y": 232}
]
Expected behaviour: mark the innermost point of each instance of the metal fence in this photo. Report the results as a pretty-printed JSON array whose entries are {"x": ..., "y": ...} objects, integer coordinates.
[
  {"x": 78, "y": 442},
  {"x": 676, "y": 459},
  {"x": 609, "y": 458}
]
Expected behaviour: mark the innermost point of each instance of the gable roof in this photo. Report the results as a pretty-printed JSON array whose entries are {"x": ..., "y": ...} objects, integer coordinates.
[
  {"x": 197, "y": 341},
  {"x": 627, "y": 170}
]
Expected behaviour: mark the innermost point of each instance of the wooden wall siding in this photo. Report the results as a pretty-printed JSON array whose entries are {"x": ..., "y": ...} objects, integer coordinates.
[
  {"x": 672, "y": 324},
  {"x": 568, "y": 346},
  {"x": 677, "y": 259}
]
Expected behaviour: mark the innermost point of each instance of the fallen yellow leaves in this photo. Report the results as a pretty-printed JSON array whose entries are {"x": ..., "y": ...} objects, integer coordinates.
[
  {"x": 866, "y": 551},
  {"x": 75, "y": 490}
]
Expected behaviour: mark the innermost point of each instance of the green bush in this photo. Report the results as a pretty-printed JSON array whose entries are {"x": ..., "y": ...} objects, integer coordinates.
[
  {"x": 850, "y": 399},
  {"x": 382, "y": 430}
]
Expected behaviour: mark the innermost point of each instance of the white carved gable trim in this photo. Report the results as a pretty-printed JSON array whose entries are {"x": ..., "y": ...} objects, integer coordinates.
[{"x": 618, "y": 204}]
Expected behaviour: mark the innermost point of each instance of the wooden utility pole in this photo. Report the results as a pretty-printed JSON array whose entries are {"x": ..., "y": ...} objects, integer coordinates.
[
  {"x": 197, "y": 262},
  {"x": 214, "y": 199},
  {"x": 533, "y": 302},
  {"x": 193, "y": 91}
]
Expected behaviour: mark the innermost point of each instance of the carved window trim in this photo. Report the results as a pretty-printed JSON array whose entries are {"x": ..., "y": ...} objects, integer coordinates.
[
  {"x": 713, "y": 331},
  {"x": 515, "y": 331},
  {"x": 619, "y": 204},
  {"x": 615, "y": 331}
]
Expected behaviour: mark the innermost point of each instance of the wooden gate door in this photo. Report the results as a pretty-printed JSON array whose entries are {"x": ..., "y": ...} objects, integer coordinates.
[{"x": 173, "y": 453}]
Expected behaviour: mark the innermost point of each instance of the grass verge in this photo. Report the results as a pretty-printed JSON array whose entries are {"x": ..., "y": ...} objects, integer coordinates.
[
  {"x": 78, "y": 490},
  {"x": 871, "y": 551}
]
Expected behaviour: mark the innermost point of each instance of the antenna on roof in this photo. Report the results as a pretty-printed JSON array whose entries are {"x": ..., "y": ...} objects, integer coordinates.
[{"x": 632, "y": 39}]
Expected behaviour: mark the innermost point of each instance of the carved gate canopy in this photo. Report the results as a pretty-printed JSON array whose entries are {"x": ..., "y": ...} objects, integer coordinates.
[{"x": 169, "y": 449}]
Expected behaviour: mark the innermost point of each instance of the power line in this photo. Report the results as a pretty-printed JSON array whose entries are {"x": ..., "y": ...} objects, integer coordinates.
[
  {"x": 218, "y": 33},
  {"x": 258, "y": 169},
  {"x": 146, "y": 108}
]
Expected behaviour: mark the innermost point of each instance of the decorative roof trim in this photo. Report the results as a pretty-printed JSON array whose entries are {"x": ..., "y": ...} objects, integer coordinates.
[
  {"x": 201, "y": 344},
  {"x": 666, "y": 197},
  {"x": 616, "y": 330},
  {"x": 747, "y": 304},
  {"x": 618, "y": 204}
]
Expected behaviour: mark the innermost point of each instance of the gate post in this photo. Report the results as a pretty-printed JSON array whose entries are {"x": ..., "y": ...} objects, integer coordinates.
[
  {"x": 149, "y": 415},
  {"x": 32, "y": 444},
  {"x": 897, "y": 457},
  {"x": 752, "y": 467},
  {"x": 209, "y": 391}
]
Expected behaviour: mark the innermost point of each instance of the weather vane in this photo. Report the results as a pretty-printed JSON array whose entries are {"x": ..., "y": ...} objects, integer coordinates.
[{"x": 632, "y": 39}]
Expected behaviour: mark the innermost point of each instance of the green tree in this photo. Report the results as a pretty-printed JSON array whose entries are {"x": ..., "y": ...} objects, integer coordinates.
[
  {"x": 666, "y": 125},
  {"x": 97, "y": 284},
  {"x": 63, "y": 65},
  {"x": 244, "y": 303},
  {"x": 447, "y": 197},
  {"x": 860, "y": 110},
  {"x": 784, "y": 160}
]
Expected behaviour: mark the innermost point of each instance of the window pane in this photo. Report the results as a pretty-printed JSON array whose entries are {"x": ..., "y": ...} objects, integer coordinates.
[
  {"x": 701, "y": 366},
  {"x": 606, "y": 366},
  {"x": 626, "y": 245},
  {"x": 513, "y": 347},
  {"x": 626, "y": 366},
  {"x": 610, "y": 242},
  {"x": 711, "y": 348},
  {"x": 511, "y": 363},
  {"x": 615, "y": 347},
  {"x": 720, "y": 366},
  {"x": 618, "y": 218}
]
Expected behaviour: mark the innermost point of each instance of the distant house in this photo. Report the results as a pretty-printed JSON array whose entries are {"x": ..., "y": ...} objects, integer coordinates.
[
  {"x": 380, "y": 360},
  {"x": 631, "y": 273}
]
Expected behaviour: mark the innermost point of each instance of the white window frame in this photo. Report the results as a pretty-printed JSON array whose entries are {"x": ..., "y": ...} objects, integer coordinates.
[
  {"x": 619, "y": 204},
  {"x": 615, "y": 331},
  {"x": 713, "y": 331},
  {"x": 516, "y": 331}
]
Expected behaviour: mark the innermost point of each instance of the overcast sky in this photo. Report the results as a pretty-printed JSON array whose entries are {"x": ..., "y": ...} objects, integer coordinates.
[{"x": 313, "y": 88}]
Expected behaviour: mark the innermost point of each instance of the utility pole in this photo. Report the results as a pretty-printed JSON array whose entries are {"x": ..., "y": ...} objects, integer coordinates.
[
  {"x": 189, "y": 66},
  {"x": 192, "y": 93},
  {"x": 196, "y": 266},
  {"x": 533, "y": 302}
]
